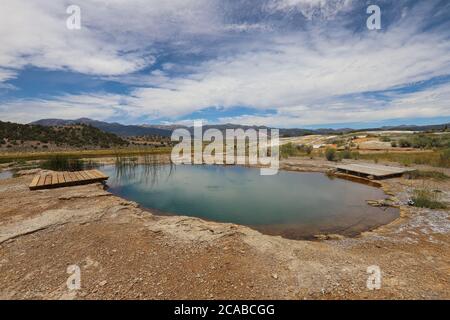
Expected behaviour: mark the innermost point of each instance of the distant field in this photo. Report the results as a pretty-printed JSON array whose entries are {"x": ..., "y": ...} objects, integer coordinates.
[
  {"x": 433, "y": 158},
  {"x": 17, "y": 156}
]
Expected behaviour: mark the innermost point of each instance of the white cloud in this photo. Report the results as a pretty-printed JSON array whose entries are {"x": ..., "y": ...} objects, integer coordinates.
[
  {"x": 429, "y": 103},
  {"x": 305, "y": 75},
  {"x": 327, "y": 9},
  {"x": 302, "y": 70},
  {"x": 116, "y": 36},
  {"x": 6, "y": 74},
  {"x": 64, "y": 107}
]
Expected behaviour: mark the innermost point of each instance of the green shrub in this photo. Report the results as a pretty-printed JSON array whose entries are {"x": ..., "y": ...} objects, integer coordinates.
[
  {"x": 394, "y": 144},
  {"x": 403, "y": 143},
  {"x": 425, "y": 141},
  {"x": 287, "y": 150},
  {"x": 330, "y": 154},
  {"x": 427, "y": 199},
  {"x": 338, "y": 142},
  {"x": 346, "y": 154},
  {"x": 385, "y": 139},
  {"x": 305, "y": 148}
]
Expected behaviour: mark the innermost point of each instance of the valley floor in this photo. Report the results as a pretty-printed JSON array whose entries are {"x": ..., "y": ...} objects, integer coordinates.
[{"x": 125, "y": 252}]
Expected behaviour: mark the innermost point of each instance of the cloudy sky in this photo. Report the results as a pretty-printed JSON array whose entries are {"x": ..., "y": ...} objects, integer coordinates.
[{"x": 284, "y": 63}]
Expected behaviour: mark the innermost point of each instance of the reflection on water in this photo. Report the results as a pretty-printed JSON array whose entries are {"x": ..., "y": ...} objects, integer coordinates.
[
  {"x": 146, "y": 170},
  {"x": 294, "y": 205},
  {"x": 5, "y": 174}
]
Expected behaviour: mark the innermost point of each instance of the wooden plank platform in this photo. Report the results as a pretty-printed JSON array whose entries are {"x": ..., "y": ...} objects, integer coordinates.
[
  {"x": 374, "y": 171},
  {"x": 66, "y": 179}
]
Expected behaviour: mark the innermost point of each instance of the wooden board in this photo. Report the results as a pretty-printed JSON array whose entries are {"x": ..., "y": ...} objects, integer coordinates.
[
  {"x": 374, "y": 170},
  {"x": 35, "y": 181},
  {"x": 66, "y": 179}
]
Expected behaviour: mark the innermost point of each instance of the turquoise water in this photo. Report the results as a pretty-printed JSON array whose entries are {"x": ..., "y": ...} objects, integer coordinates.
[{"x": 293, "y": 205}]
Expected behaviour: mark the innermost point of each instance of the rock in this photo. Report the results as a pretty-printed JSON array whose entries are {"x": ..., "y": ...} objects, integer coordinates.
[
  {"x": 335, "y": 237},
  {"x": 275, "y": 276},
  {"x": 375, "y": 203},
  {"x": 28, "y": 172}
]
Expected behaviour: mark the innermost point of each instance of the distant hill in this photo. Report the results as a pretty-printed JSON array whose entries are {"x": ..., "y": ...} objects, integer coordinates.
[
  {"x": 435, "y": 127},
  {"x": 14, "y": 135},
  {"x": 115, "y": 128},
  {"x": 157, "y": 130},
  {"x": 166, "y": 130}
]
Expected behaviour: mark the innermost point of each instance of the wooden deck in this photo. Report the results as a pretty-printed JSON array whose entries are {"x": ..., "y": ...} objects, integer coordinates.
[
  {"x": 374, "y": 171},
  {"x": 66, "y": 179}
]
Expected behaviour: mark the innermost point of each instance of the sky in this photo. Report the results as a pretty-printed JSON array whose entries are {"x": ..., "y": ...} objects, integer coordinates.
[{"x": 279, "y": 63}]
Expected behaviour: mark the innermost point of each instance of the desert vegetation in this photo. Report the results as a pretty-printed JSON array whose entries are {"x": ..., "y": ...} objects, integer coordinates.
[
  {"x": 435, "y": 158},
  {"x": 14, "y": 157},
  {"x": 424, "y": 198},
  {"x": 426, "y": 174},
  {"x": 423, "y": 141},
  {"x": 19, "y": 136}
]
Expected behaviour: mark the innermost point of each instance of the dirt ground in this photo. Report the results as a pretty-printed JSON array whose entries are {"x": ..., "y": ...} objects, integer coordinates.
[{"x": 125, "y": 252}]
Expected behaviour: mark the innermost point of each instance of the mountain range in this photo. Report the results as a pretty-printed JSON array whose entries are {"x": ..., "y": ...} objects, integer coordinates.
[{"x": 166, "y": 130}]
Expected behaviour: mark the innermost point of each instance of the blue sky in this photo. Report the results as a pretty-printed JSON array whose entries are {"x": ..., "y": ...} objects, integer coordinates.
[{"x": 283, "y": 63}]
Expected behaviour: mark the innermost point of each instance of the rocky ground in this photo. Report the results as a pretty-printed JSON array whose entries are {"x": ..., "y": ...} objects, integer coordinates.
[{"x": 125, "y": 252}]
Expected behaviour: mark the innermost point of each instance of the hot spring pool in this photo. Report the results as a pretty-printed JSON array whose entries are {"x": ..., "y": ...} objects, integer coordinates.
[{"x": 293, "y": 205}]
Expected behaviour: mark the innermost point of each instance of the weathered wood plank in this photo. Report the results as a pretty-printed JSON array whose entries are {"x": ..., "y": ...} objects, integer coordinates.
[
  {"x": 48, "y": 179},
  {"x": 72, "y": 176},
  {"x": 66, "y": 176},
  {"x": 65, "y": 179},
  {"x": 35, "y": 181},
  {"x": 85, "y": 175},
  {"x": 90, "y": 174},
  {"x": 377, "y": 171},
  {"x": 54, "y": 178},
  {"x": 41, "y": 181},
  {"x": 99, "y": 174},
  {"x": 78, "y": 176},
  {"x": 94, "y": 173},
  {"x": 61, "y": 177}
]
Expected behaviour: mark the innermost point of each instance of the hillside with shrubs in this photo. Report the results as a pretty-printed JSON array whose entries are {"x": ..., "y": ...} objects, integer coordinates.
[{"x": 14, "y": 136}]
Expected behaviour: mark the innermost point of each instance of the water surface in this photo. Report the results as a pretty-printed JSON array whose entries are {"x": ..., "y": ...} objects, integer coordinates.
[
  {"x": 291, "y": 204},
  {"x": 6, "y": 174}
]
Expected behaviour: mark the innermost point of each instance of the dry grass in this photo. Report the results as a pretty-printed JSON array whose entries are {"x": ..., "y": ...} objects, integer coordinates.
[
  {"x": 18, "y": 156},
  {"x": 424, "y": 198},
  {"x": 432, "y": 158},
  {"x": 421, "y": 174}
]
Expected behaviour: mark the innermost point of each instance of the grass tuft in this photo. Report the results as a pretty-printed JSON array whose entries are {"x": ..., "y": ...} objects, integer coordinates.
[
  {"x": 427, "y": 199},
  {"x": 420, "y": 174}
]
